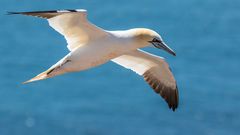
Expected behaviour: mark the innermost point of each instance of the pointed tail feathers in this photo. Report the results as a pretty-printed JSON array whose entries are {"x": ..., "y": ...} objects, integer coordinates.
[
  {"x": 57, "y": 69},
  {"x": 45, "y": 75},
  {"x": 41, "y": 76}
]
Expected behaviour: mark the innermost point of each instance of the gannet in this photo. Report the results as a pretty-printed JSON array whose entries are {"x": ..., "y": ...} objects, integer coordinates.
[{"x": 91, "y": 46}]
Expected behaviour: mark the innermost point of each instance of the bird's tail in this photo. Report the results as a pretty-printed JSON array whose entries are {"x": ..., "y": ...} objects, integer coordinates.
[
  {"x": 59, "y": 68},
  {"x": 41, "y": 76},
  {"x": 55, "y": 70}
]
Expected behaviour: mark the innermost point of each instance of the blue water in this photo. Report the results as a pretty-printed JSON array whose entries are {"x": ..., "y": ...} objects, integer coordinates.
[{"x": 204, "y": 33}]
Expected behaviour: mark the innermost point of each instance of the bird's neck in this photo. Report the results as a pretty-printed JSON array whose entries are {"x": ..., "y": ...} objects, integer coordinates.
[{"x": 126, "y": 38}]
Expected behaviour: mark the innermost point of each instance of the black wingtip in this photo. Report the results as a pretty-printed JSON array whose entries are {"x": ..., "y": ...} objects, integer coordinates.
[
  {"x": 173, "y": 101},
  {"x": 172, "y": 107},
  {"x": 176, "y": 99},
  {"x": 12, "y": 13}
]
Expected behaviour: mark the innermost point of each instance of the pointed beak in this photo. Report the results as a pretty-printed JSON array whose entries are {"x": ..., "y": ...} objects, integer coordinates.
[{"x": 162, "y": 45}]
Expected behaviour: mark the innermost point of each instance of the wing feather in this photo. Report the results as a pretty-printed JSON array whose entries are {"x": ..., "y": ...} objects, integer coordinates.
[
  {"x": 72, "y": 24},
  {"x": 155, "y": 72}
]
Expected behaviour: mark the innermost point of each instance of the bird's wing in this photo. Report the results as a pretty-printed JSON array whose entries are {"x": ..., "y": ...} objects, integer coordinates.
[
  {"x": 155, "y": 71},
  {"x": 72, "y": 24}
]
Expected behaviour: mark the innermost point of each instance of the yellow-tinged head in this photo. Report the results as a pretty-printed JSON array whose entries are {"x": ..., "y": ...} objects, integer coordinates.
[{"x": 145, "y": 36}]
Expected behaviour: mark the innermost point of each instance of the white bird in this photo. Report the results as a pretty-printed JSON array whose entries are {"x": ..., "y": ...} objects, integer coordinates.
[{"x": 91, "y": 46}]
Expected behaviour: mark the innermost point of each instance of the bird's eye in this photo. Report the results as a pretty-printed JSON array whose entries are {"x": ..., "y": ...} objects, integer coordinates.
[{"x": 154, "y": 40}]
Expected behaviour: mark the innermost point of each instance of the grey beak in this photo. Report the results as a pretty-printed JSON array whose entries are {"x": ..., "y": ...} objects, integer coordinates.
[
  {"x": 162, "y": 45},
  {"x": 166, "y": 48}
]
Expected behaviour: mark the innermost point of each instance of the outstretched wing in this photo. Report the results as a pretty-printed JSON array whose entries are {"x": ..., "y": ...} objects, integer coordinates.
[
  {"x": 155, "y": 71},
  {"x": 72, "y": 24}
]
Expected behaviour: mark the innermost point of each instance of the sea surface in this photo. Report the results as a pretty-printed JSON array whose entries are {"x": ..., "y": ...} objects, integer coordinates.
[{"x": 110, "y": 100}]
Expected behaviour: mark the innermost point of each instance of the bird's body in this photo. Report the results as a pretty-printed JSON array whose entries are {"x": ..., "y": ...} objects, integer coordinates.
[
  {"x": 97, "y": 52},
  {"x": 91, "y": 46}
]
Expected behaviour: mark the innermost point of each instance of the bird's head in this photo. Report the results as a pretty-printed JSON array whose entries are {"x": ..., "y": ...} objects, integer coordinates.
[{"x": 149, "y": 37}]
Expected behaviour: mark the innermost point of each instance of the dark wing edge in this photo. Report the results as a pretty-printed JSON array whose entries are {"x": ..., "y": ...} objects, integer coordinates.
[
  {"x": 170, "y": 94},
  {"x": 46, "y": 14}
]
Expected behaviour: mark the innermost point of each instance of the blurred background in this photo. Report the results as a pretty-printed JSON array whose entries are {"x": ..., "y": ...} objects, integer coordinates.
[{"x": 110, "y": 100}]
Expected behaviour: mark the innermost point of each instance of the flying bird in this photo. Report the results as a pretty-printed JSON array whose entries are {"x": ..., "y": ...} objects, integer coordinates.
[{"x": 91, "y": 46}]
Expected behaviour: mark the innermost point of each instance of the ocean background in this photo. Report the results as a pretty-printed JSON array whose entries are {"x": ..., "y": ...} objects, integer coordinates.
[{"x": 110, "y": 100}]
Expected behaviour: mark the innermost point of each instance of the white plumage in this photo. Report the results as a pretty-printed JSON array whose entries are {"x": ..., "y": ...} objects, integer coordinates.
[{"x": 91, "y": 46}]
